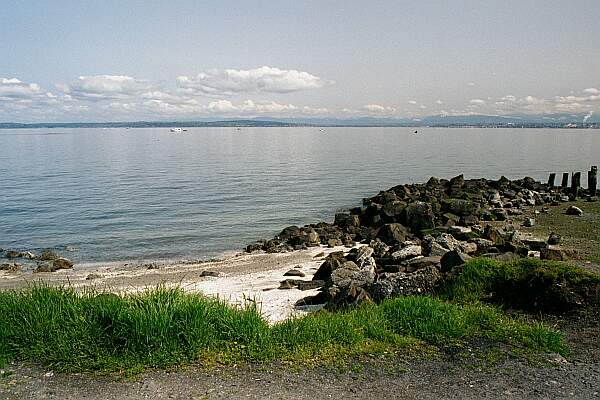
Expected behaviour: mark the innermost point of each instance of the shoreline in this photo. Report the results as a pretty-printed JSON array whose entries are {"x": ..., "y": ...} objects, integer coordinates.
[
  {"x": 241, "y": 277},
  {"x": 400, "y": 228}
]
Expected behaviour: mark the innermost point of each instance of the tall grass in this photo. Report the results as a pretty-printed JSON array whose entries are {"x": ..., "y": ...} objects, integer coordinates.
[
  {"x": 71, "y": 331},
  {"x": 520, "y": 283}
]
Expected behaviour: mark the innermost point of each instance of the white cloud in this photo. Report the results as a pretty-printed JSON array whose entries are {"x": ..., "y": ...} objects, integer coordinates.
[
  {"x": 378, "y": 109},
  {"x": 471, "y": 84},
  {"x": 477, "y": 102},
  {"x": 222, "y": 106},
  {"x": 413, "y": 102},
  {"x": 103, "y": 87},
  {"x": 591, "y": 91},
  {"x": 226, "y": 82},
  {"x": 439, "y": 102},
  {"x": 15, "y": 89}
]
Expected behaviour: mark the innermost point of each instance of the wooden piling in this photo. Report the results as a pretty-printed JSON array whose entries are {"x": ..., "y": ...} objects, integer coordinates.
[
  {"x": 575, "y": 183},
  {"x": 592, "y": 180},
  {"x": 551, "y": 179},
  {"x": 565, "y": 180}
]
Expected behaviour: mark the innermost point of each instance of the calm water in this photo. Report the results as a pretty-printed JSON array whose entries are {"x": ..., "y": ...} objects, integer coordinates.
[{"x": 117, "y": 194}]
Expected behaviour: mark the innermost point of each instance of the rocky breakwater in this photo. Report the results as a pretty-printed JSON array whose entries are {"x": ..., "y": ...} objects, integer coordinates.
[
  {"x": 47, "y": 261},
  {"x": 412, "y": 235}
]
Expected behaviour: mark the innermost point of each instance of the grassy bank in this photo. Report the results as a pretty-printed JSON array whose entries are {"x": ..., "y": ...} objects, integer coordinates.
[
  {"x": 70, "y": 331},
  {"x": 526, "y": 283}
]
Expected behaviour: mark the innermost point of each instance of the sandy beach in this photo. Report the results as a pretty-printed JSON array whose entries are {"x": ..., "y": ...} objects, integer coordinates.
[{"x": 242, "y": 277}]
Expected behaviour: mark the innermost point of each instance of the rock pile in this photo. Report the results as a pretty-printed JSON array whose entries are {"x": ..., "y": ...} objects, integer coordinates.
[
  {"x": 413, "y": 234},
  {"x": 48, "y": 261}
]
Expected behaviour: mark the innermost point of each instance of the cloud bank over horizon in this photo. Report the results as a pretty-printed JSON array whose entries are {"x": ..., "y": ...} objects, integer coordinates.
[{"x": 209, "y": 94}]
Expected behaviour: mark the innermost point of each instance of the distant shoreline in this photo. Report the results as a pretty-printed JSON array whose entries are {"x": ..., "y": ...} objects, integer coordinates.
[{"x": 287, "y": 124}]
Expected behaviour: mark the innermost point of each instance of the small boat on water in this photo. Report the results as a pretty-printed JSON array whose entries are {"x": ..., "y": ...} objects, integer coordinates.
[{"x": 178, "y": 130}]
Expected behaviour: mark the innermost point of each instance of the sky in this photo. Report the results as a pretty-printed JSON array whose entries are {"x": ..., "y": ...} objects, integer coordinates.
[{"x": 108, "y": 60}]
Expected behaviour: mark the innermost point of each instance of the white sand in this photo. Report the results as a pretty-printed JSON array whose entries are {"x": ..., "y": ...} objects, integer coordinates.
[{"x": 244, "y": 277}]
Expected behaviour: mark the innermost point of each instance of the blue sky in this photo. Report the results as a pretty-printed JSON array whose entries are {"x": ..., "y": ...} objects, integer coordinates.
[{"x": 129, "y": 60}]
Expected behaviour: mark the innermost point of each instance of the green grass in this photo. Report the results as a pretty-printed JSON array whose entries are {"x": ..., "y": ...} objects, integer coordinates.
[
  {"x": 70, "y": 331},
  {"x": 520, "y": 283}
]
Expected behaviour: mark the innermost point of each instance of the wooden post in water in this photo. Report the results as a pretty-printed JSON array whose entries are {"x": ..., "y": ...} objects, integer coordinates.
[
  {"x": 565, "y": 180},
  {"x": 551, "y": 179},
  {"x": 592, "y": 180},
  {"x": 575, "y": 183}
]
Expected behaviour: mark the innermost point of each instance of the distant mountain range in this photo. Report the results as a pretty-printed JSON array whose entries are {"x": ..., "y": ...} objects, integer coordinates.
[{"x": 490, "y": 121}]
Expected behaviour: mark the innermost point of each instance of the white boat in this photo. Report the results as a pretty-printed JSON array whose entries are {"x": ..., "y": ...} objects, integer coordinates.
[{"x": 176, "y": 130}]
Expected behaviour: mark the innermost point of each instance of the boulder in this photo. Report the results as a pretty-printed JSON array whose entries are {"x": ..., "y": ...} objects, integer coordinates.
[
  {"x": 379, "y": 248},
  {"x": 407, "y": 252},
  {"x": 390, "y": 285},
  {"x": 363, "y": 257},
  {"x": 209, "y": 273},
  {"x": 44, "y": 267},
  {"x": 288, "y": 284},
  {"x": 554, "y": 239},
  {"x": 393, "y": 210},
  {"x": 573, "y": 210},
  {"x": 10, "y": 267},
  {"x": 332, "y": 262},
  {"x": 295, "y": 272},
  {"x": 48, "y": 255},
  {"x": 499, "y": 214},
  {"x": 482, "y": 244},
  {"x": 460, "y": 232},
  {"x": 468, "y": 247},
  {"x": 13, "y": 254},
  {"x": 254, "y": 247},
  {"x": 453, "y": 259},
  {"x": 422, "y": 262},
  {"x": 309, "y": 285},
  {"x": 461, "y": 207},
  {"x": 556, "y": 253},
  {"x": 534, "y": 243},
  {"x": 342, "y": 276},
  {"x": 61, "y": 263},
  {"x": 393, "y": 234},
  {"x": 528, "y": 222},
  {"x": 312, "y": 237},
  {"x": 447, "y": 241},
  {"x": 419, "y": 216},
  {"x": 345, "y": 220},
  {"x": 494, "y": 234},
  {"x": 334, "y": 243}
]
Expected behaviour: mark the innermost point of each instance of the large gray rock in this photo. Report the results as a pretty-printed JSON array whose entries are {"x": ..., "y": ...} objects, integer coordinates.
[
  {"x": 461, "y": 207},
  {"x": 62, "y": 263},
  {"x": 345, "y": 220},
  {"x": 556, "y": 253},
  {"x": 393, "y": 209},
  {"x": 573, "y": 210},
  {"x": 343, "y": 275},
  {"x": 453, "y": 259},
  {"x": 332, "y": 262},
  {"x": 393, "y": 234},
  {"x": 404, "y": 284},
  {"x": 419, "y": 216},
  {"x": 407, "y": 252},
  {"x": 10, "y": 267}
]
